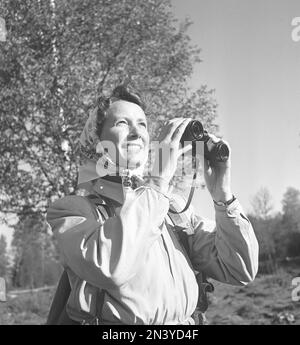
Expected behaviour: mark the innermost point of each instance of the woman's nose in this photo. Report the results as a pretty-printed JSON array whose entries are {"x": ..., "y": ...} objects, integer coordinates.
[{"x": 134, "y": 132}]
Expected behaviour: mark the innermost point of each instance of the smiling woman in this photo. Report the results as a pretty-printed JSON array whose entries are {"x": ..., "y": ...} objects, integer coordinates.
[
  {"x": 115, "y": 136},
  {"x": 123, "y": 261},
  {"x": 126, "y": 128}
]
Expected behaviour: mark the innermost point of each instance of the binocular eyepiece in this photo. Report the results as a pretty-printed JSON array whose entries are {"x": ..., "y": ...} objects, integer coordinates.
[{"x": 214, "y": 152}]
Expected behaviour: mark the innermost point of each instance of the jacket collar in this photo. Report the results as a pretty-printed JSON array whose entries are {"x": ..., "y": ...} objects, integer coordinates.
[
  {"x": 110, "y": 189},
  {"x": 115, "y": 188}
]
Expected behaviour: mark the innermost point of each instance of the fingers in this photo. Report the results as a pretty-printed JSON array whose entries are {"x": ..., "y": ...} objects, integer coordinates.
[
  {"x": 175, "y": 129},
  {"x": 214, "y": 138},
  {"x": 164, "y": 133},
  {"x": 179, "y": 130},
  {"x": 219, "y": 164}
]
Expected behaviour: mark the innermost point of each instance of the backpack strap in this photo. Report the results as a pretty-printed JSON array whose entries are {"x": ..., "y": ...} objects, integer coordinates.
[
  {"x": 106, "y": 210},
  {"x": 181, "y": 222},
  {"x": 58, "y": 314}
]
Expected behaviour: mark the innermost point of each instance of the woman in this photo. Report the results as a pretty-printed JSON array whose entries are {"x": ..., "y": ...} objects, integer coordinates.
[{"x": 126, "y": 268}]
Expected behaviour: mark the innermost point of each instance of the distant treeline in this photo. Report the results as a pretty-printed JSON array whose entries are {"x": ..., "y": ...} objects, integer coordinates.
[
  {"x": 33, "y": 260},
  {"x": 278, "y": 233}
]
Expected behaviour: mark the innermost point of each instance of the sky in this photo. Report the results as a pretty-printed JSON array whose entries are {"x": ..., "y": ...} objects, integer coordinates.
[{"x": 251, "y": 60}]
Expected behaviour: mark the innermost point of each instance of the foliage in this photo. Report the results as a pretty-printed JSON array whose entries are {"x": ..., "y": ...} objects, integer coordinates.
[
  {"x": 289, "y": 237},
  {"x": 291, "y": 209},
  {"x": 278, "y": 234},
  {"x": 265, "y": 230},
  {"x": 262, "y": 203},
  {"x": 265, "y": 301},
  {"x": 4, "y": 261},
  {"x": 264, "y": 226},
  {"x": 35, "y": 260},
  {"x": 26, "y": 309},
  {"x": 58, "y": 56}
]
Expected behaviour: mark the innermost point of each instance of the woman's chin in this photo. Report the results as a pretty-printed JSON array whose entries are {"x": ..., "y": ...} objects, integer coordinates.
[
  {"x": 133, "y": 161},
  {"x": 134, "y": 164}
]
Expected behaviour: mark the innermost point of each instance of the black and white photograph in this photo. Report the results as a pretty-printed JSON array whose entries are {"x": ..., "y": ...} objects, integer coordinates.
[{"x": 149, "y": 165}]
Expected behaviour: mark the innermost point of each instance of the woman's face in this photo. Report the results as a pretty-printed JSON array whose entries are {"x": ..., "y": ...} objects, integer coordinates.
[{"x": 126, "y": 128}]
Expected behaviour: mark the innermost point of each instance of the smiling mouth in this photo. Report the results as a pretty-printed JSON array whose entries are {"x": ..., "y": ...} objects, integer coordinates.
[{"x": 134, "y": 145}]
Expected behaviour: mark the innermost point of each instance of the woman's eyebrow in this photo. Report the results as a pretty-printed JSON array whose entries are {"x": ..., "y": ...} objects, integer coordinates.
[{"x": 130, "y": 118}]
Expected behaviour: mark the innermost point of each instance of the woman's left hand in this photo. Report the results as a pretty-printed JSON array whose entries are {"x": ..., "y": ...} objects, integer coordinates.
[{"x": 217, "y": 176}]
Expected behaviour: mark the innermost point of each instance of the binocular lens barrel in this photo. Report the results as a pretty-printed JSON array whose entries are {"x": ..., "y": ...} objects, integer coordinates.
[
  {"x": 193, "y": 132},
  {"x": 222, "y": 152},
  {"x": 213, "y": 152}
]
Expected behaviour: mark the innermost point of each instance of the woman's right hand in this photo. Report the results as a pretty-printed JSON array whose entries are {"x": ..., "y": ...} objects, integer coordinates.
[{"x": 165, "y": 161}]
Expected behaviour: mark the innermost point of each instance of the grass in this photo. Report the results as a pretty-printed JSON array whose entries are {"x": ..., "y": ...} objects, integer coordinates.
[
  {"x": 265, "y": 301},
  {"x": 27, "y": 309}
]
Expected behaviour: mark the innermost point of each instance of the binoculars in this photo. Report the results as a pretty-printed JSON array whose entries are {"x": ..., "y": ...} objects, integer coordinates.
[{"x": 214, "y": 152}]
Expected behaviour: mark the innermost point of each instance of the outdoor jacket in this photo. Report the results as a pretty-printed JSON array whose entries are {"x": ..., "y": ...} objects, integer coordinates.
[{"x": 146, "y": 277}]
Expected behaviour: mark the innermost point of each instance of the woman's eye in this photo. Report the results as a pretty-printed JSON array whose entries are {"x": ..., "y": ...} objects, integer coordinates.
[
  {"x": 121, "y": 122},
  {"x": 144, "y": 124}
]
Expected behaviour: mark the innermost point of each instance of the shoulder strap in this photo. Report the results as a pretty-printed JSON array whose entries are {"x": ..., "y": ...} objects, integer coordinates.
[
  {"x": 175, "y": 236},
  {"x": 57, "y": 313},
  {"x": 106, "y": 209},
  {"x": 104, "y": 205},
  {"x": 180, "y": 222}
]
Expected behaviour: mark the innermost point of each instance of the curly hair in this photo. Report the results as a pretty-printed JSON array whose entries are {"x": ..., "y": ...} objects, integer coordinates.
[{"x": 125, "y": 92}]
